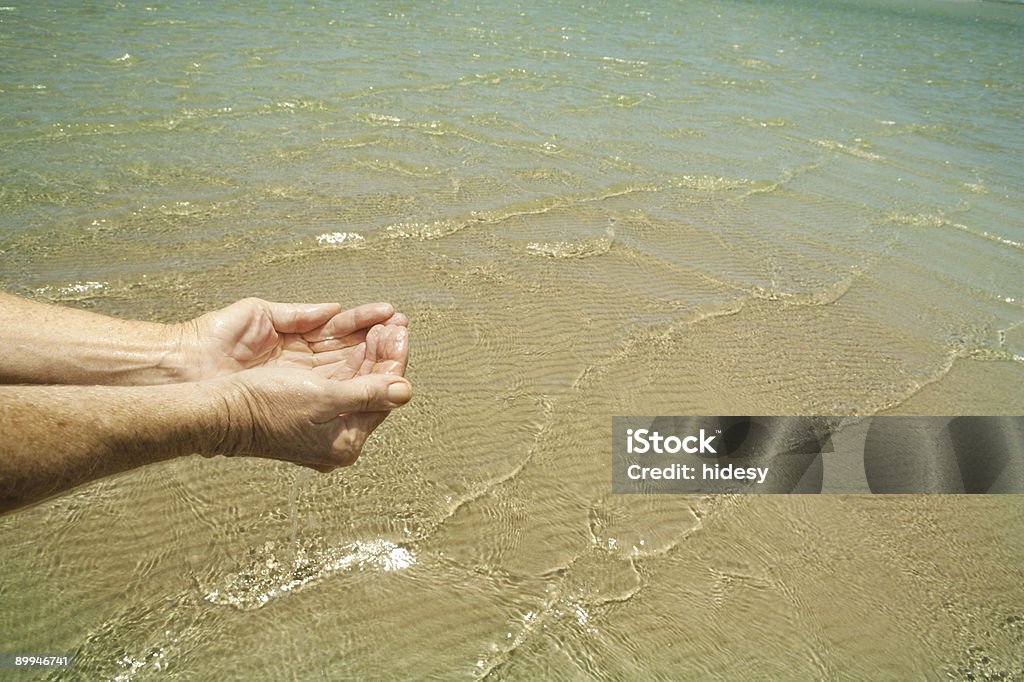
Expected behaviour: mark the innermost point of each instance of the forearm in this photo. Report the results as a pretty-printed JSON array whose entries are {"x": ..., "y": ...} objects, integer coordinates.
[
  {"x": 46, "y": 344},
  {"x": 53, "y": 438}
]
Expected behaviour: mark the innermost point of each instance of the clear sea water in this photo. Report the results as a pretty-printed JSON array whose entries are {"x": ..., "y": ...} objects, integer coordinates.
[{"x": 586, "y": 209}]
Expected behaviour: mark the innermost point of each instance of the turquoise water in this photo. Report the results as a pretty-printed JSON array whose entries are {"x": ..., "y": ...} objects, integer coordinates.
[
  {"x": 111, "y": 108},
  {"x": 586, "y": 210},
  {"x": 191, "y": 137}
]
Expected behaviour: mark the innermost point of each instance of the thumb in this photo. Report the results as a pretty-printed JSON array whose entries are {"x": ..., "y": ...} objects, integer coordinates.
[
  {"x": 370, "y": 393},
  {"x": 299, "y": 318}
]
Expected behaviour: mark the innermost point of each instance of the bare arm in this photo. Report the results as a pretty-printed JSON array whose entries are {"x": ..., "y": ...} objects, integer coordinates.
[
  {"x": 47, "y": 344},
  {"x": 53, "y": 438}
]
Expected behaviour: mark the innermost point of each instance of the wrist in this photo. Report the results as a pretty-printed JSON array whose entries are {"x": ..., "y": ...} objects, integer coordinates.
[
  {"x": 227, "y": 422},
  {"x": 178, "y": 353},
  {"x": 169, "y": 421}
]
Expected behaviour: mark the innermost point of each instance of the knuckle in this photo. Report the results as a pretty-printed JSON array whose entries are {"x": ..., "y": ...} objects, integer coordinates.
[{"x": 367, "y": 397}]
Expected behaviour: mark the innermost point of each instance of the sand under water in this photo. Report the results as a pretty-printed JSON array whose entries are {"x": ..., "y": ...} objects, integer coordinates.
[{"x": 585, "y": 211}]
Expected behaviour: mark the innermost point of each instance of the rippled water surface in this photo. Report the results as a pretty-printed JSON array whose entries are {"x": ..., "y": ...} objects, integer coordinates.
[{"x": 586, "y": 210}]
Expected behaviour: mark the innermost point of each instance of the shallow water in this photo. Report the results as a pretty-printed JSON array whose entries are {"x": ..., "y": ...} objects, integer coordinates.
[{"x": 586, "y": 211}]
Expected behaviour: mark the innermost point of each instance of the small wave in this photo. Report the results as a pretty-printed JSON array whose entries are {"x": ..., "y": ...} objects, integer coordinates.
[
  {"x": 917, "y": 219},
  {"x": 296, "y": 105},
  {"x": 380, "y": 119},
  {"x": 578, "y": 248},
  {"x": 710, "y": 183},
  {"x": 185, "y": 208},
  {"x": 424, "y": 230},
  {"x": 827, "y": 295},
  {"x": 72, "y": 290},
  {"x": 856, "y": 149},
  {"x": 756, "y": 64},
  {"x": 341, "y": 240},
  {"x": 401, "y": 168},
  {"x": 268, "y": 576},
  {"x": 198, "y": 113},
  {"x": 625, "y": 101},
  {"x": 895, "y": 129},
  {"x": 932, "y": 220},
  {"x": 764, "y": 123},
  {"x": 630, "y": 62}
]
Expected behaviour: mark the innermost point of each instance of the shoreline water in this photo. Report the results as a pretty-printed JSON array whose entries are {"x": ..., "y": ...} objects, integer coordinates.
[{"x": 716, "y": 208}]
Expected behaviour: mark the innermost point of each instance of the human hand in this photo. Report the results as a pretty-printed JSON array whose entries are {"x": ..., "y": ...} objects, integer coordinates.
[
  {"x": 333, "y": 343},
  {"x": 299, "y": 416}
]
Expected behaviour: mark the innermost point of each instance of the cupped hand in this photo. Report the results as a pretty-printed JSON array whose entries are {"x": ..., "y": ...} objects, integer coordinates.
[
  {"x": 299, "y": 416},
  {"x": 335, "y": 344}
]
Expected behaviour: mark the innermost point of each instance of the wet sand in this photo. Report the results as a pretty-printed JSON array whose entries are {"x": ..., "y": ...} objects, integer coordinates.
[{"x": 579, "y": 223}]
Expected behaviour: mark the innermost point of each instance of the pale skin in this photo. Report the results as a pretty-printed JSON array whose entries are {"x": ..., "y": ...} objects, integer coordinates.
[{"x": 305, "y": 383}]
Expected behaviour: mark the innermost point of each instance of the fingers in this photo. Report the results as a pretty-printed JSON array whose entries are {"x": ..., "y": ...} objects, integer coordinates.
[
  {"x": 299, "y": 318},
  {"x": 387, "y": 350},
  {"x": 382, "y": 350},
  {"x": 369, "y": 393},
  {"x": 397, "y": 319},
  {"x": 340, "y": 364},
  {"x": 347, "y": 323}
]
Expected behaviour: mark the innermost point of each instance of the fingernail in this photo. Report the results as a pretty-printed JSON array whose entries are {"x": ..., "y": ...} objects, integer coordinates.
[
  {"x": 383, "y": 309},
  {"x": 399, "y": 392}
]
